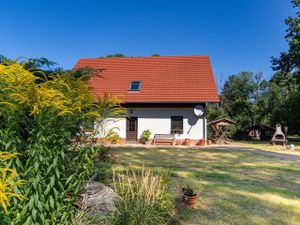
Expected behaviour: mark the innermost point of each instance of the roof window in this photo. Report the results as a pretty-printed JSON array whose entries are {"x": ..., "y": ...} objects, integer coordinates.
[{"x": 135, "y": 86}]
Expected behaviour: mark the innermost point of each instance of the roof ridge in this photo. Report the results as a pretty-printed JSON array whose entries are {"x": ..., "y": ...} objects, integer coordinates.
[{"x": 148, "y": 57}]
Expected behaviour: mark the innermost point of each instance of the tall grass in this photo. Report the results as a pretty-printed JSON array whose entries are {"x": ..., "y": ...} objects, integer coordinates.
[
  {"x": 88, "y": 217},
  {"x": 144, "y": 198}
]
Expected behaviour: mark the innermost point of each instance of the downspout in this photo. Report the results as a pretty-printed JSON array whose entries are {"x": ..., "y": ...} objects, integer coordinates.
[{"x": 205, "y": 125}]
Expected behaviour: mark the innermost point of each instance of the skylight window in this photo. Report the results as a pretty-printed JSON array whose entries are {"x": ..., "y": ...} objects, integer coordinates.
[{"x": 135, "y": 86}]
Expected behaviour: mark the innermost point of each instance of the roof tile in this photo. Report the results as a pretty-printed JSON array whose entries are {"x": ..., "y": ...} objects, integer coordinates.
[{"x": 164, "y": 78}]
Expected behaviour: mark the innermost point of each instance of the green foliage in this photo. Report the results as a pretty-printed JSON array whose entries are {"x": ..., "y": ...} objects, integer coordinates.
[
  {"x": 244, "y": 98},
  {"x": 290, "y": 60},
  {"x": 214, "y": 111},
  {"x": 87, "y": 217},
  {"x": 285, "y": 84},
  {"x": 113, "y": 137},
  {"x": 191, "y": 186},
  {"x": 110, "y": 110},
  {"x": 39, "y": 118},
  {"x": 103, "y": 165},
  {"x": 144, "y": 200},
  {"x": 104, "y": 172},
  {"x": 249, "y": 100},
  {"x": 116, "y": 55},
  {"x": 145, "y": 136},
  {"x": 8, "y": 182}
]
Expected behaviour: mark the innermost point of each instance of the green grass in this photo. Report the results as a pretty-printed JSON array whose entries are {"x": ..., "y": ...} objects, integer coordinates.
[{"x": 239, "y": 185}]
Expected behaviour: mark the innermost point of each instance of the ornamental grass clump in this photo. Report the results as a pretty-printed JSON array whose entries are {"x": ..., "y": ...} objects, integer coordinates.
[{"x": 144, "y": 198}]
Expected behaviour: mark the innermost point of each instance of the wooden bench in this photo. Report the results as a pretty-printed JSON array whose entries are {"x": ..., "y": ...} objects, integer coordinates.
[{"x": 164, "y": 138}]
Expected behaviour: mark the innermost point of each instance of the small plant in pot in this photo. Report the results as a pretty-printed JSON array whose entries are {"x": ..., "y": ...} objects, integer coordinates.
[
  {"x": 145, "y": 136},
  {"x": 176, "y": 131},
  {"x": 190, "y": 193}
]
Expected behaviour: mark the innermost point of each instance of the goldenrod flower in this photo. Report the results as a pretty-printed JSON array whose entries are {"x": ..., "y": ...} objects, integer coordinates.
[
  {"x": 7, "y": 184},
  {"x": 8, "y": 181}
]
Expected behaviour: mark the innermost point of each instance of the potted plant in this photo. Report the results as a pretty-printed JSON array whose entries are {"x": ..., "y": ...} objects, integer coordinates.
[
  {"x": 187, "y": 142},
  {"x": 145, "y": 136},
  {"x": 190, "y": 193},
  {"x": 202, "y": 142},
  {"x": 176, "y": 131}
]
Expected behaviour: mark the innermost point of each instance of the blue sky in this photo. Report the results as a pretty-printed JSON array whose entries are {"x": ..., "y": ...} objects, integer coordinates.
[{"x": 238, "y": 35}]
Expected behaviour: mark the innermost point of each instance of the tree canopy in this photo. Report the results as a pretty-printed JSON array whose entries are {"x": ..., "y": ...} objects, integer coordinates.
[{"x": 249, "y": 99}]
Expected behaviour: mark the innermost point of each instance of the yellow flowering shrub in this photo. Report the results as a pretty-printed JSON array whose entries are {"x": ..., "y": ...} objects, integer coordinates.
[
  {"x": 8, "y": 181},
  {"x": 21, "y": 87},
  {"x": 41, "y": 115}
]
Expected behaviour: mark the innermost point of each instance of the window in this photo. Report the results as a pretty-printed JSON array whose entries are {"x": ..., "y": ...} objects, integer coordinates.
[
  {"x": 135, "y": 86},
  {"x": 132, "y": 125},
  {"x": 176, "y": 124}
]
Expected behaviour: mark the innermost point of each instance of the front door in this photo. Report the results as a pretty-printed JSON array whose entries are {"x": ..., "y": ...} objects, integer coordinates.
[{"x": 131, "y": 129}]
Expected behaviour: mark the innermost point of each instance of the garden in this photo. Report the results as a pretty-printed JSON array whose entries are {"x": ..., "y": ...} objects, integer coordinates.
[
  {"x": 52, "y": 162},
  {"x": 243, "y": 184},
  {"x": 46, "y": 154},
  {"x": 49, "y": 160},
  {"x": 53, "y": 166}
]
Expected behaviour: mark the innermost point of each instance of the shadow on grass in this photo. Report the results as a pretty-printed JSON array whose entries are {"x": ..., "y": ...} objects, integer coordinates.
[
  {"x": 240, "y": 185},
  {"x": 229, "y": 207}
]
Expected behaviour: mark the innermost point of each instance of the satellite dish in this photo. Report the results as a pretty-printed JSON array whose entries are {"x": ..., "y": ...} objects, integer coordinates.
[{"x": 199, "y": 110}]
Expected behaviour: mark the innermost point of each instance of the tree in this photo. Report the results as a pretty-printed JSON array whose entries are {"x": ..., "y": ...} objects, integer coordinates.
[
  {"x": 116, "y": 55},
  {"x": 290, "y": 60},
  {"x": 244, "y": 99},
  {"x": 285, "y": 83}
]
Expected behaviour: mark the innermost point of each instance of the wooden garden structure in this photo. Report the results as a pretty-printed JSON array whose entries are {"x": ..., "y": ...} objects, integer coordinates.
[
  {"x": 260, "y": 132},
  {"x": 219, "y": 128}
]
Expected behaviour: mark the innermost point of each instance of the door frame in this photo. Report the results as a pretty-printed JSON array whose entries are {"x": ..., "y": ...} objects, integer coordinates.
[{"x": 127, "y": 129}]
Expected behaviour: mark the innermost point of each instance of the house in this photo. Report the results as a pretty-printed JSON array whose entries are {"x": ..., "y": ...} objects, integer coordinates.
[
  {"x": 161, "y": 93},
  {"x": 260, "y": 132}
]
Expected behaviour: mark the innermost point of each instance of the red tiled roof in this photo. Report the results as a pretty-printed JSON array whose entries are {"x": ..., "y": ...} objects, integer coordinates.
[{"x": 164, "y": 79}]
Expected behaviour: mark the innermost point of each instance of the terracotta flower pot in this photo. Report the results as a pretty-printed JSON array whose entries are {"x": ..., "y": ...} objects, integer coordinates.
[
  {"x": 202, "y": 142},
  {"x": 190, "y": 200},
  {"x": 187, "y": 142}
]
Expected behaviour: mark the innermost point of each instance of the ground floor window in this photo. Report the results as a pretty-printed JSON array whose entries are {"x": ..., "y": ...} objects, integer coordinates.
[{"x": 176, "y": 124}]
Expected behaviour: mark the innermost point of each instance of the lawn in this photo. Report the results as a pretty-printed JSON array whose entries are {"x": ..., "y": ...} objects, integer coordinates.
[{"x": 240, "y": 185}]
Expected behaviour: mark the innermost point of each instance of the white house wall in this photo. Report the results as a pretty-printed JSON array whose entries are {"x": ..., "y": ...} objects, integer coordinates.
[{"x": 158, "y": 121}]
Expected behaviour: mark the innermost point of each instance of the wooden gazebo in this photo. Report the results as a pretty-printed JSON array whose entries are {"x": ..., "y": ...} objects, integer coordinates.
[{"x": 219, "y": 130}]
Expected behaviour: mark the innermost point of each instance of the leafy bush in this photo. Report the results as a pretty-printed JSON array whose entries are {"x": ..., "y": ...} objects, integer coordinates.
[
  {"x": 145, "y": 136},
  {"x": 40, "y": 116},
  {"x": 110, "y": 111},
  {"x": 144, "y": 199},
  {"x": 113, "y": 137},
  {"x": 103, "y": 166},
  {"x": 104, "y": 172}
]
